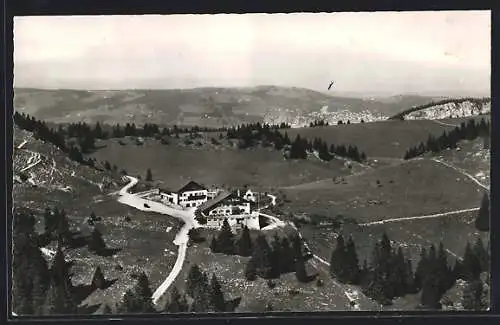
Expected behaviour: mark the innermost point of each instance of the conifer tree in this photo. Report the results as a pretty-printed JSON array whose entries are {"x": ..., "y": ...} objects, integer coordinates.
[
  {"x": 149, "y": 175},
  {"x": 245, "y": 243},
  {"x": 276, "y": 255},
  {"x": 262, "y": 257},
  {"x": 287, "y": 256},
  {"x": 482, "y": 254},
  {"x": 225, "y": 241},
  {"x": 98, "y": 280},
  {"x": 483, "y": 218},
  {"x": 130, "y": 303},
  {"x": 216, "y": 295},
  {"x": 143, "y": 294},
  {"x": 177, "y": 302},
  {"x": 352, "y": 262},
  {"x": 214, "y": 245},
  {"x": 473, "y": 296},
  {"x": 251, "y": 270},
  {"x": 96, "y": 243},
  {"x": 471, "y": 265},
  {"x": 338, "y": 259}
]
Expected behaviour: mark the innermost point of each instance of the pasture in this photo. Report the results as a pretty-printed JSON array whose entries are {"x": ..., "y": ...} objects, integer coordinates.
[
  {"x": 377, "y": 139},
  {"x": 175, "y": 164},
  {"x": 413, "y": 188}
]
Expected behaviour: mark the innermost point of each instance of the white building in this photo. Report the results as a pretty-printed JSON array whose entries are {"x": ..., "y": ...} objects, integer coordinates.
[
  {"x": 190, "y": 195},
  {"x": 250, "y": 196},
  {"x": 229, "y": 206}
]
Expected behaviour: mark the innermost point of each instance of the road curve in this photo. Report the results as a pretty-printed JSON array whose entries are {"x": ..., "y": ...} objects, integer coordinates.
[
  {"x": 463, "y": 172},
  {"x": 181, "y": 239}
]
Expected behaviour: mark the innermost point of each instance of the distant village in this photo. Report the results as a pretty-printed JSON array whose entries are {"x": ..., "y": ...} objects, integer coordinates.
[{"x": 212, "y": 206}]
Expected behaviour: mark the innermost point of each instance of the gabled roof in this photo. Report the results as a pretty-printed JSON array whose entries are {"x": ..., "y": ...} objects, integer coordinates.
[
  {"x": 191, "y": 186},
  {"x": 216, "y": 200}
]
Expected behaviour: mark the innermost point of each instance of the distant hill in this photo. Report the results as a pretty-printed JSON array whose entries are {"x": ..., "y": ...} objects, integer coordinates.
[
  {"x": 447, "y": 108},
  {"x": 210, "y": 107}
]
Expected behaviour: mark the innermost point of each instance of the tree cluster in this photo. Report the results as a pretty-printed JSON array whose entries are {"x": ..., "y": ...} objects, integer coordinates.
[
  {"x": 300, "y": 147},
  {"x": 317, "y": 123},
  {"x": 85, "y": 137},
  {"x": 390, "y": 274},
  {"x": 252, "y": 134},
  {"x": 36, "y": 288},
  {"x": 467, "y": 131},
  {"x": 206, "y": 296},
  {"x": 139, "y": 299}
]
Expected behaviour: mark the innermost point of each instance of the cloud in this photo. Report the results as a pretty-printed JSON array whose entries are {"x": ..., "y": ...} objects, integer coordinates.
[{"x": 300, "y": 49}]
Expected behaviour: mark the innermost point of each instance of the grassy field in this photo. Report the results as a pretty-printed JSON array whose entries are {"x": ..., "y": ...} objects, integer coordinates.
[
  {"x": 176, "y": 164},
  {"x": 417, "y": 187},
  {"x": 472, "y": 158},
  {"x": 386, "y": 139},
  {"x": 378, "y": 139}
]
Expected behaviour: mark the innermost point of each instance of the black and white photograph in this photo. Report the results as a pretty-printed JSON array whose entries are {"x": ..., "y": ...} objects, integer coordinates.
[{"x": 251, "y": 163}]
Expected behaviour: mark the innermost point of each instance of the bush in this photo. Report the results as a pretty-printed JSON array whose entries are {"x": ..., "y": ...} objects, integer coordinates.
[{"x": 271, "y": 284}]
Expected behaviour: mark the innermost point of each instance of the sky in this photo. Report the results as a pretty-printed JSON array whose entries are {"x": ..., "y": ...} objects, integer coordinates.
[{"x": 445, "y": 52}]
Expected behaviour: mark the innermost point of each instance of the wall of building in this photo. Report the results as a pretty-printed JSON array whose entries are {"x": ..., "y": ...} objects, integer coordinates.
[
  {"x": 185, "y": 201},
  {"x": 227, "y": 209},
  {"x": 235, "y": 221}
]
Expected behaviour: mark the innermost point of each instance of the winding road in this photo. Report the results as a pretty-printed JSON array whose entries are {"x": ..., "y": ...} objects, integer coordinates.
[
  {"x": 463, "y": 172},
  {"x": 181, "y": 239}
]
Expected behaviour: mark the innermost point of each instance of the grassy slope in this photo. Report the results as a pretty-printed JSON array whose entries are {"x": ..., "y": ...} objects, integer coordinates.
[
  {"x": 174, "y": 165},
  {"x": 142, "y": 241},
  {"x": 414, "y": 188},
  {"x": 377, "y": 139}
]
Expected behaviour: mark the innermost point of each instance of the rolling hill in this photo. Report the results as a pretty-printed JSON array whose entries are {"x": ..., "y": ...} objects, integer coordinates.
[{"x": 212, "y": 107}]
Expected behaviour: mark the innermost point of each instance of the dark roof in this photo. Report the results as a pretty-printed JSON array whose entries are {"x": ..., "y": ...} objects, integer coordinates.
[
  {"x": 191, "y": 186},
  {"x": 166, "y": 190},
  {"x": 216, "y": 200}
]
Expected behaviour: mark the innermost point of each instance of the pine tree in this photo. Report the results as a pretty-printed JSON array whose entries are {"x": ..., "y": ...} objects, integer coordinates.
[
  {"x": 251, "y": 270},
  {"x": 96, "y": 243},
  {"x": 143, "y": 293},
  {"x": 225, "y": 241},
  {"x": 473, "y": 297},
  {"x": 216, "y": 295},
  {"x": 130, "y": 303},
  {"x": 262, "y": 257},
  {"x": 422, "y": 269},
  {"x": 276, "y": 255},
  {"x": 287, "y": 256},
  {"x": 482, "y": 254},
  {"x": 149, "y": 175},
  {"x": 98, "y": 280},
  {"x": 352, "y": 262},
  {"x": 338, "y": 259},
  {"x": 245, "y": 243},
  {"x": 177, "y": 302},
  {"x": 214, "y": 245},
  {"x": 471, "y": 265},
  {"x": 483, "y": 218}
]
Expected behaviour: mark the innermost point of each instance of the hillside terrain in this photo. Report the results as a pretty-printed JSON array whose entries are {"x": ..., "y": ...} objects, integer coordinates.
[
  {"x": 51, "y": 180},
  {"x": 319, "y": 194},
  {"x": 211, "y": 107},
  {"x": 447, "y": 108}
]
